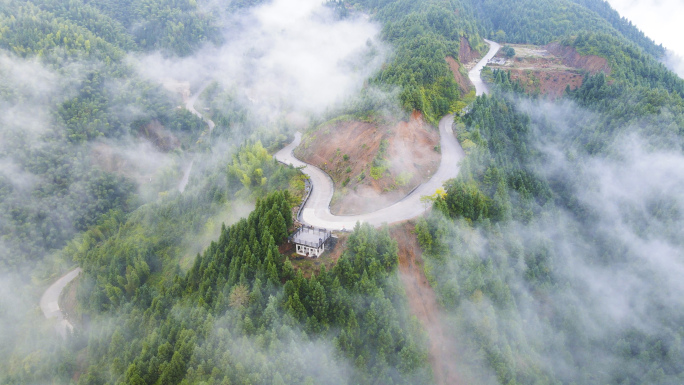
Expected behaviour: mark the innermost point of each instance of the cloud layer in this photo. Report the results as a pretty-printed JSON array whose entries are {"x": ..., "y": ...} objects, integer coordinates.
[
  {"x": 282, "y": 57},
  {"x": 659, "y": 20}
]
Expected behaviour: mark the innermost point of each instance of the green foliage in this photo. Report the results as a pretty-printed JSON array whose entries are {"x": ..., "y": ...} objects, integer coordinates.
[
  {"x": 423, "y": 35},
  {"x": 499, "y": 258},
  {"x": 502, "y": 79},
  {"x": 629, "y": 65},
  {"x": 380, "y": 164},
  {"x": 377, "y": 172},
  {"x": 403, "y": 178},
  {"x": 467, "y": 201},
  {"x": 241, "y": 312},
  {"x": 253, "y": 172},
  {"x": 625, "y": 26},
  {"x": 543, "y": 21},
  {"x": 508, "y": 51},
  {"x": 500, "y": 177}
]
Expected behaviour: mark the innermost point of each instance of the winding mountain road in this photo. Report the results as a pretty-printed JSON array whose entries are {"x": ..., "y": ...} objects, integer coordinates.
[
  {"x": 316, "y": 210},
  {"x": 49, "y": 302},
  {"x": 190, "y": 106},
  {"x": 474, "y": 74}
]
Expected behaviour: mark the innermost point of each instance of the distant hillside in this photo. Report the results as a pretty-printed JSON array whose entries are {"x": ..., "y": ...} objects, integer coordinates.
[{"x": 542, "y": 21}]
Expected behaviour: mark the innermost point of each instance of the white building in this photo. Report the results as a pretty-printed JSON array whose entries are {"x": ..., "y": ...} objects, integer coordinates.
[{"x": 310, "y": 241}]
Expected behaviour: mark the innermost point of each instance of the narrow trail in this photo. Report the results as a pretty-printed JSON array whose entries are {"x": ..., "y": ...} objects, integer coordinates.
[
  {"x": 49, "y": 302},
  {"x": 190, "y": 106}
]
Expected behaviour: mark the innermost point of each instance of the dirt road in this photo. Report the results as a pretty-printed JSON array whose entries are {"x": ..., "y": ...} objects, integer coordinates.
[{"x": 190, "y": 106}]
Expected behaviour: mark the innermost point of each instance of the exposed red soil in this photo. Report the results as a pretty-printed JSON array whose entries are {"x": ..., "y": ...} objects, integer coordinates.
[
  {"x": 464, "y": 84},
  {"x": 547, "y": 82},
  {"x": 465, "y": 55},
  {"x": 67, "y": 302},
  {"x": 410, "y": 158},
  {"x": 571, "y": 58},
  {"x": 549, "y": 70},
  {"x": 423, "y": 303}
]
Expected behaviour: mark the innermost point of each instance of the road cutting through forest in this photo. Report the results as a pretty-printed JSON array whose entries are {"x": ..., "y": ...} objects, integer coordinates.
[
  {"x": 442, "y": 350},
  {"x": 421, "y": 297},
  {"x": 442, "y": 354},
  {"x": 316, "y": 210},
  {"x": 49, "y": 302}
]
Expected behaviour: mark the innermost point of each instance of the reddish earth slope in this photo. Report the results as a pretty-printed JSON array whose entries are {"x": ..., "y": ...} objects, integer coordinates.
[
  {"x": 423, "y": 304},
  {"x": 466, "y": 55},
  {"x": 346, "y": 150},
  {"x": 548, "y": 70}
]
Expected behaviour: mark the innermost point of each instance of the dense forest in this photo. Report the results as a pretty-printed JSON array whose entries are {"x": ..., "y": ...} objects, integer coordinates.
[
  {"x": 554, "y": 255},
  {"x": 540, "y": 252}
]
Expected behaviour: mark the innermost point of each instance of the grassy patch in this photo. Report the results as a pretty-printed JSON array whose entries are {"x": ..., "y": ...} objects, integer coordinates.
[{"x": 403, "y": 178}]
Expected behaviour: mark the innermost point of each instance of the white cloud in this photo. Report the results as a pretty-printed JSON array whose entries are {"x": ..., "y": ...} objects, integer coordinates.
[
  {"x": 282, "y": 56},
  {"x": 658, "y": 19}
]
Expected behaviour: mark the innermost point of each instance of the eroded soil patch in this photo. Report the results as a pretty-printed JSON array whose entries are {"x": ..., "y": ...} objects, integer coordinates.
[
  {"x": 372, "y": 165},
  {"x": 548, "y": 70},
  {"x": 423, "y": 304}
]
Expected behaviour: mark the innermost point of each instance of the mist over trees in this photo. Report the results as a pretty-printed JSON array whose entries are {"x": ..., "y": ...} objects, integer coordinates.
[
  {"x": 556, "y": 255},
  {"x": 554, "y": 248}
]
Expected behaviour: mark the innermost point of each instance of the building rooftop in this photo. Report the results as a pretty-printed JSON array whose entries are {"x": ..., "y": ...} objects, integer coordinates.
[{"x": 310, "y": 236}]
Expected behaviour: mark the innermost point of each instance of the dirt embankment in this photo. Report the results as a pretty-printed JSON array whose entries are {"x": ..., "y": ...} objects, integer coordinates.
[
  {"x": 549, "y": 70},
  {"x": 423, "y": 303},
  {"x": 464, "y": 84},
  {"x": 372, "y": 165},
  {"x": 465, "y": 55},
  {"x": 571, "y": 58},
  {"x": 549, "y": 83}
]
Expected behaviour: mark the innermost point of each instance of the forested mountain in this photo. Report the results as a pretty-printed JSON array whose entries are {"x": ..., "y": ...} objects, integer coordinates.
[
  {"x": 555, "y": 256},
  {"x": 540, "y": 22},
  {"x": 541, "y": 251}
]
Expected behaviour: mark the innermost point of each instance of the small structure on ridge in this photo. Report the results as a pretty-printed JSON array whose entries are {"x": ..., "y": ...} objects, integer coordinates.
[{"x": 310, "y": 241}]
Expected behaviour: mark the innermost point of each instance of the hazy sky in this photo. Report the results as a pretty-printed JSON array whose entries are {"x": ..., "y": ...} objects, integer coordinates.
[{"x": 661, "y": 20}]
